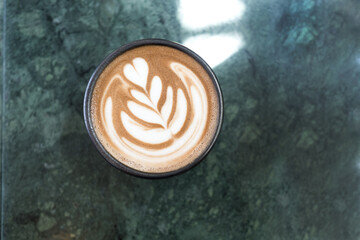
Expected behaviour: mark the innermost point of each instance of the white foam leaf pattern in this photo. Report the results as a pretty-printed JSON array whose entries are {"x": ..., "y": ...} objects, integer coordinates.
[
  {"x": 144, "y": 106},
  {"x": 154, "y": 136},
  {"x": 138, "y": 72},
  {"x": 155, "y": 90},
  {"x": 180, "y": 113},
  {"x": 145, "y": 113},
  {"x": 141, "y": 97},
  {"x": 166, "y": 109}
]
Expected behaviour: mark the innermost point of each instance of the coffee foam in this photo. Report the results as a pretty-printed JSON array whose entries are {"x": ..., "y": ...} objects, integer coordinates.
[{"x": 155, "y": 109}]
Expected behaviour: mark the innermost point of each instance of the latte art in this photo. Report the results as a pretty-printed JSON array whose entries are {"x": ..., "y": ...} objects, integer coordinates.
[
  {"x": 154, "y": 113},
  {"x": 167, "y": 121}
]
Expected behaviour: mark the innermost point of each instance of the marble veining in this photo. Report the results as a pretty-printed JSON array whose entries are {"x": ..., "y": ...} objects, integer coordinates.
[{"x": 286, "y": 164}]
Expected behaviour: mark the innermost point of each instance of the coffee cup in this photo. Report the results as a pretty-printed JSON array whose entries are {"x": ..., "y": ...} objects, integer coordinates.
[{"x": 153, "y": 108}]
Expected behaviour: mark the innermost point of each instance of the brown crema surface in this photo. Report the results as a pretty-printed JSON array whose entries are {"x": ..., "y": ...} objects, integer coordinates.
[{"x": 113, "y": 83}]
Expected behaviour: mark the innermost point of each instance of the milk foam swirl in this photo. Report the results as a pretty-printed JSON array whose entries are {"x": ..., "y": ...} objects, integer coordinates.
[{"x": 162, "y": 119}]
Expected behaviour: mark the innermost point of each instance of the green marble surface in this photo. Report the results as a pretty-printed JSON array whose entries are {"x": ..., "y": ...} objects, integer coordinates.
[{"x": 286, "y": 164}]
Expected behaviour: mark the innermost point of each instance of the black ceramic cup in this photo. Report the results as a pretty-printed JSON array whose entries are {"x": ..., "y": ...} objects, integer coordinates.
[{"x": 87, "y": 102}]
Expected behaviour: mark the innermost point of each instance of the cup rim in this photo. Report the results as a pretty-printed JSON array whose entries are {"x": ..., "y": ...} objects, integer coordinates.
[{"x": 87, "y": 104}]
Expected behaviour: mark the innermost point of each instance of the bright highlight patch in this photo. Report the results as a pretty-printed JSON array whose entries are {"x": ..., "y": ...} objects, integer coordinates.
[
  {"x": 199, "y": 14},
  {"x": 215, "y": 49}
]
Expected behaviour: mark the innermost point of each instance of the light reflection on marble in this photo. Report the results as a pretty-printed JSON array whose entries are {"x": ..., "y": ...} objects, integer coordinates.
[
  {"x": 286, "y": 165},
  {"x": 215, "y": 49},
  {"x": 192, "y": 16}
]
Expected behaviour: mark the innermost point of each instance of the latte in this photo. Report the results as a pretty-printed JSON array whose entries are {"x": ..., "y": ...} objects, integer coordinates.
[{"x": 155, "y": 109}]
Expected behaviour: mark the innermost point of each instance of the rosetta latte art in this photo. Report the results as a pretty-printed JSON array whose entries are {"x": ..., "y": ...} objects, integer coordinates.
[{"x": 160, "y": 119}]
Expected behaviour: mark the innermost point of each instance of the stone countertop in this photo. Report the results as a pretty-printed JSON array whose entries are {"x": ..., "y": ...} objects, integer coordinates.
[{"x": 286, "y": 164}]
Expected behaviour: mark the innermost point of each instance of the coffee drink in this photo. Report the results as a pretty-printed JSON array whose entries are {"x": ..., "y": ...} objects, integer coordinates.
[{"x": 155, "y": 109}]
